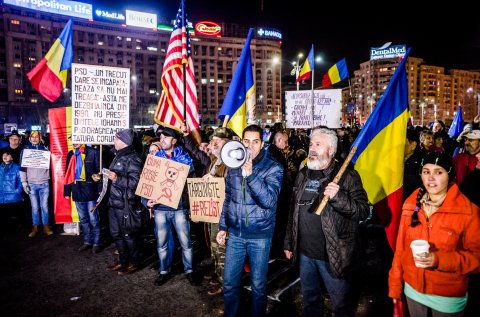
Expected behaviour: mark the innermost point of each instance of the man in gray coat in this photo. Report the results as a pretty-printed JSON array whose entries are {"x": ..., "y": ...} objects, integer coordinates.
[{"x": 325, "y": 244}]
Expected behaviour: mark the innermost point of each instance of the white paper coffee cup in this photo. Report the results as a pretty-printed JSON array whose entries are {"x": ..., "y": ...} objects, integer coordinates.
[{"x": 419, "y": 248}]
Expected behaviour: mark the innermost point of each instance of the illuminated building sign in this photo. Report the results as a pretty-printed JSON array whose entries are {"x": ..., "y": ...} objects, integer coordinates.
[
  {"x": 141, "y": 19},
  {"x": 102, "y": 14},
  {"x": 387, "y": 51},
  {"x": 271, "y": 33},
  {"x": 208, "y": 28},
  {"x": 63, "y": 7}
]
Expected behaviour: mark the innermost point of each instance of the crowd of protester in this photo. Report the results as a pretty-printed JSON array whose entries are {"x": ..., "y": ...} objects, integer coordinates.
[{"x": 269, "y": 211}]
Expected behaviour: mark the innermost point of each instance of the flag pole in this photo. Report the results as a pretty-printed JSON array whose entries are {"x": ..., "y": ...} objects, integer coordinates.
[
  {"x": 225, "y": 120},
  {"x": 184, "y": 67},
  {"x": 313, "y": 95}
]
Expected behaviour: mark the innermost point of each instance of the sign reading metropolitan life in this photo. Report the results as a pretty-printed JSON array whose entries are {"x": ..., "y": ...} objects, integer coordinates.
[
  {"x": 387, "y": 52},
  {"x": 100, "y": 103},
  {"x": 64, "y": 7}
]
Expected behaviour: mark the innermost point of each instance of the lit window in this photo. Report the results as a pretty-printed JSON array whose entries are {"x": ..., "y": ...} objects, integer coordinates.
[
  {"x": 32, "y": 59},
  {"x": 16, "y": 22},
  {"x": 128, "y": 39},
  {"x": 138, "y": 41},
  {"x": 17, "y": 65},
  {"x": 33, "y": 100},
  {"x": 119, "y": 38},
  {"x": 18, "y": 91},
  {"x": 152, "y": 48},
  {"x": 100, "y": 43},
  {"x": 204, "y": 81},
  {"x": 138, "y": 47}
]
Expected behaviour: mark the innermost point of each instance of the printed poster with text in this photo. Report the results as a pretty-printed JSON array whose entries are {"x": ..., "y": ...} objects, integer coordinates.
[
  {"x": 162, "y": 180},
  {"x": 100, "y": 103},
  {"x": 327, "y": 108},
  {"x": 206, "y": 198}
]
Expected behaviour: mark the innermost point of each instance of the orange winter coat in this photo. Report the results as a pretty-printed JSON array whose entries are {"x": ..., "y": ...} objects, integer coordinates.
[{"x": 453, "y": 232}]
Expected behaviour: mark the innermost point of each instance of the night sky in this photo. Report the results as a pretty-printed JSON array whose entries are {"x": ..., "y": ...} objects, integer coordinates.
[{"x": 443, "y": 36}]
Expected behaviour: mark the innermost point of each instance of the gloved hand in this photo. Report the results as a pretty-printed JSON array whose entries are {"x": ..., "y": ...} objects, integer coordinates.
[{"x": 26, "y": 188}]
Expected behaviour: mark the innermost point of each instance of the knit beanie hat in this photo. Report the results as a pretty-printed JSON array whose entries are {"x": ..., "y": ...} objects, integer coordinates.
[
  {"x": 440, "y": 159},
  {"x": 125, "y": 135}
]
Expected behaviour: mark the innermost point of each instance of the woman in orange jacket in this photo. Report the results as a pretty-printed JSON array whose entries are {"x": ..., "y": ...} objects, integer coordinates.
[{"x": 435, "y": 282}]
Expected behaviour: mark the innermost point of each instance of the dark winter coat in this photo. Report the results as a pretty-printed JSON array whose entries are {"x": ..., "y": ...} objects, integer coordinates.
[
  {"x": 10, "y": 183},
  {"x": 340, "y": 217},
  {"x": 128, "y": 166},
  {"x": 87, "y": 190},
  {"x": 250, "y": 203}
]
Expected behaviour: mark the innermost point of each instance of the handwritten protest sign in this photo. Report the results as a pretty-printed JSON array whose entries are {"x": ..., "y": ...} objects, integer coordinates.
[
  {"x": 327, "y": 106},
  {"x": 162, "y": 180},
  {"x": 100, "y": 103},
  {"x": 206, "y": 198},
  {"x": 36, "y": 159}
]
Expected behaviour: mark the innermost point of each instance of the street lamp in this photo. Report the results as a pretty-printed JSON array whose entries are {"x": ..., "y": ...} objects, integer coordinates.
[
  {"x": 297, "y": 69},
  {"x": 422, "y": 105},
  {"x": 371, "y": 100}
]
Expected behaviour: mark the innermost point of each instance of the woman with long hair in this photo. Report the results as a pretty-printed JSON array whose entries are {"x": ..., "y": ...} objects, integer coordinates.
[{"x": 435, "y": 282}]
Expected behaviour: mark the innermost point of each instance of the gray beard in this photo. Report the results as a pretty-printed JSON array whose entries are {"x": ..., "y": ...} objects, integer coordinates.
[{"x": 318, "y": 164}]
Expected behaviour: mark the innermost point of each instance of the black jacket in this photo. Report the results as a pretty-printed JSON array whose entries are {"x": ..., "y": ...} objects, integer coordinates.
[
  {"x": 340, "y": 217},
  {"x": 128, "y": 166},
  {"x": 87, "y": 190}
]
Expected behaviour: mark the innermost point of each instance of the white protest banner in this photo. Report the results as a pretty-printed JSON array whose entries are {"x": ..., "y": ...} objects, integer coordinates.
[
  {"x": 100, "y": 103},
  {"x": 36, "y": 159},
  {"x": 327, "y": 108},
  {"x": 162, "y": 180},
  {"x": 206, "y": 198}
]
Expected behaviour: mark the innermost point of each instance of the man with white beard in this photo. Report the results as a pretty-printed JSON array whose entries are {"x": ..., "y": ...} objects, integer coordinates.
[{"x": 325, "y": 244}]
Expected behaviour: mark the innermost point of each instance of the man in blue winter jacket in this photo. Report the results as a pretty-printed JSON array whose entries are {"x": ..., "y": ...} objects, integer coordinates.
[{"x": 249, "y": 217}]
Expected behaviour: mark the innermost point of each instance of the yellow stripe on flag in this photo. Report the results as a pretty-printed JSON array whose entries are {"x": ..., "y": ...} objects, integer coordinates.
[
  {"x": 334, "y": 75},
  {"x": 386, "y": 161},
  {"x": 54, "y": 59}
]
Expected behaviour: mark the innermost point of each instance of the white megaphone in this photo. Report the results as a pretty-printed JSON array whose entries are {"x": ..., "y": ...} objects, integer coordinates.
[{"x": 234, "y": 155}]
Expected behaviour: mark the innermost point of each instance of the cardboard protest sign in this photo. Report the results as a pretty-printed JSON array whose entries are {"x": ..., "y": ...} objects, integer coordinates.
[
  {"x": 162, "y": 180},
  {"x": 100, "y": 103},
  {"x": 36, "y": 159},
  {"x": 206, "y": 198},
  {"x": 327, "y": 108}
]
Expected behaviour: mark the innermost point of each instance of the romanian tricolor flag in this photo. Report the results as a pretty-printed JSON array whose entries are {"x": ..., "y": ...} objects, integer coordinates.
[
  {"x": 307, "y": 67},
  {"x": 241, "y": 92},
  {"x": 49, "y": 77},
  {"x": 380, "y": 153},
  {"x": 336, "y": 73}
]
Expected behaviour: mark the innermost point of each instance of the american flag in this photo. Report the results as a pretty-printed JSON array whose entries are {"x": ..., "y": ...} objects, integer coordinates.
[{"x": 170, "y": 106}]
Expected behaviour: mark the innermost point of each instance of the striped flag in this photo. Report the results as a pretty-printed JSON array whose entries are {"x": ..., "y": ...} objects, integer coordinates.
[
  {"x": 380, "y": 153},
  {"x": 49, "y": 77},
  {"x": 170, "y": 108},
  {"x": 307, "y": 67},
  {"x": 335, "y": 74},
  {"x": 239, "y": 103}
]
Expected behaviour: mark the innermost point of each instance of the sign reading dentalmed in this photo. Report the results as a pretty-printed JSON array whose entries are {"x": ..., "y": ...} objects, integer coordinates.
[
  {"x": 141, "y": 19},
  {"x": 327, "y": 108},
  {"x": 64, "y": 7},
  {"x": 387, "y": 51},
  {"x": 208, "y": 28},
  {"x": 100, "y": 103}
]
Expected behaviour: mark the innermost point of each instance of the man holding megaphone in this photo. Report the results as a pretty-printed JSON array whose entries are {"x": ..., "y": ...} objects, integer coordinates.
[{"x": 251, "y": 195}]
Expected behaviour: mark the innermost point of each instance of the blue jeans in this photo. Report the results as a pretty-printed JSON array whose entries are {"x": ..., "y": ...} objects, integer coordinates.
[
  {"x": 164, "y": 219},
  {"x": 39, "y": 199},
  {"x": 312, "y": 274},
  {"x": 238, "y": 249},
  {"x": 89, "y": 221}
]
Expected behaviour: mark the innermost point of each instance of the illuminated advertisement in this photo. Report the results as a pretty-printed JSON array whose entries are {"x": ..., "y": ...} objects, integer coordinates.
[
  {"x": 101, "y": 14},
  {"x": 387, "y": 51},
  {"x": 269, "y": 33},
  {"x": 141, "y": 19},
  {"x": 208, "y": 28},
  {"x": 63, "y": 7}
]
